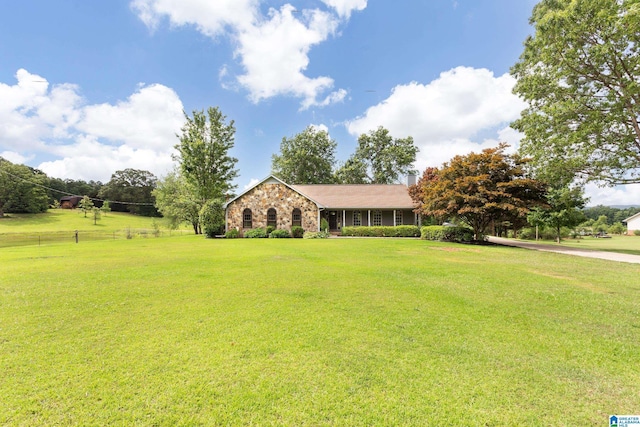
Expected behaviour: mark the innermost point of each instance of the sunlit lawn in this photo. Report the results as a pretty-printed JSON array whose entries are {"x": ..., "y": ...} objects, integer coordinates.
[
  {"x": 622, "y": 244},
  {"x": 55, "y": 220},
  {"x": 190, "y": 331}
]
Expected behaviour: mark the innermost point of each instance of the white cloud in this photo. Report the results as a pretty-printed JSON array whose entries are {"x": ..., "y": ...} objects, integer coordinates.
[
  {"x": 211, "y": 18},
  {"x": 14, "y": 157},
  {"x": 608, "y": 196},
  {"x": 446, "y": 116},
  {"x": 272, "y": 49},
  {"x": 345, "y": 7},
  {"x": 144, "y": 120},
  {"x": 87, "y": 142},
  {"x": 251, "y": 183}
]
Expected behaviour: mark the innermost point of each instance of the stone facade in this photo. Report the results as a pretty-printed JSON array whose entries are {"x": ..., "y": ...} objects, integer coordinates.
[{"x": 272, "y": 194}]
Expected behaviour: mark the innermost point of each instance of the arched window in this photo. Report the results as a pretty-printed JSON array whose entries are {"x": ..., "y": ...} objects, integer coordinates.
[
  {"x": 247, "y": 219},
  {"x": 272, "y": 218},
  {"x": 296, "y": 218}
]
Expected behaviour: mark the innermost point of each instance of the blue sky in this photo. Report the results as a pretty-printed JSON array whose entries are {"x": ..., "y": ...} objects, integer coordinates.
[{"x": 91, "y": 87}]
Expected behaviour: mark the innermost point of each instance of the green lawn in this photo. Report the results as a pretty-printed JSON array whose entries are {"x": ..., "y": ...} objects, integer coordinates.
[
  {"x": 55, "y": 220},
  {"x": 621, "y": 244},
  {"x": 59, "y": 226},
  {"x": 189, "y": 331}
]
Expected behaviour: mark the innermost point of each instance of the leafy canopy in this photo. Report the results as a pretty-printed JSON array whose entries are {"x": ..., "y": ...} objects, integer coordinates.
[
  {"x": 22, "y": 189},
  {"x": 563, "y": 208},
  {"x": 579, "y": 72},
  {"x": 379, "y": 159},
  {"x": 131, "y": 185},
  {"x": 203, "y": 154},
  {"x": 306, "y": 158},
  {"x": 478, "y": 189}
]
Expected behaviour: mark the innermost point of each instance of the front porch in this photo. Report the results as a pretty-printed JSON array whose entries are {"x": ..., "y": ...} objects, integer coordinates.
[{"x": 338, "y": 218}]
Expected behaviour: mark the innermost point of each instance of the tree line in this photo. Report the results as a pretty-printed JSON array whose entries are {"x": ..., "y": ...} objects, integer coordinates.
[{"x": 24, "y": 189}]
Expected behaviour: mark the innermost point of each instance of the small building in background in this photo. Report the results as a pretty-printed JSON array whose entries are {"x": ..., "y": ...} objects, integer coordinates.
[
  {"x": 633, "y": 224},
  {"x": 70, "y": 202}
]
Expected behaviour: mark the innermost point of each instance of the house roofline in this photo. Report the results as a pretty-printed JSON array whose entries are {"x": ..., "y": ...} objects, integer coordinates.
[
  {"x": 631, "y": 217},
  {"x": 281, "y": 182}
]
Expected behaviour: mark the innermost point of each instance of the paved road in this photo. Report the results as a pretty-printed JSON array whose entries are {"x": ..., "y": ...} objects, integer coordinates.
[{"x": 611, "y": 256}]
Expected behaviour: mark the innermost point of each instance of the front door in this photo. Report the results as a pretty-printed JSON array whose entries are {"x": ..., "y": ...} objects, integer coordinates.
[{"x": 333, "y": 220}]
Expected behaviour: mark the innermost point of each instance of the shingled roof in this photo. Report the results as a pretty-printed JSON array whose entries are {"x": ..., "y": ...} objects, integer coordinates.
[{"x": 358, "y": 196}]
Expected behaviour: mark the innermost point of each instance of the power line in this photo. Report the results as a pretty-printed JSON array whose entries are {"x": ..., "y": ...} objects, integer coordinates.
[{"x": 75, "y": 195}]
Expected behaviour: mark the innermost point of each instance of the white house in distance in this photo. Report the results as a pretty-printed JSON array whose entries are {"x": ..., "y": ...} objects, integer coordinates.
[{"x": 633, "y": 223}]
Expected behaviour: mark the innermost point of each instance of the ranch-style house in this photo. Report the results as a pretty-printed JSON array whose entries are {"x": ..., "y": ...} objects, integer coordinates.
[{"x": 273, "y": 202}]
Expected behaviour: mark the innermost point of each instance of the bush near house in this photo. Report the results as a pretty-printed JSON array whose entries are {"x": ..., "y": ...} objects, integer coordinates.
[
  {"x": 279, "y": 234},
  {"x": 636, "y": 232},
  {"x": 382, "y": 231},
  {"x": 232, "y": 234},
  {"x": 255, "y": 233},
  {"x": 316, "y": 235},
  {"x": 446, "y": 234},
  {"x": 297, "y": 232}
]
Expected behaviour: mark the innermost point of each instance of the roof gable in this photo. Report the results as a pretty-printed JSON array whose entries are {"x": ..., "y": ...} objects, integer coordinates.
[{"x": 271, "y": 179}]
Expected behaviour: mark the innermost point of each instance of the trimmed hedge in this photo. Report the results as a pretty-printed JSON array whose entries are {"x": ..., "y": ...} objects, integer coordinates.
[
  {"x": 297, "y": 232},
  {"x": 382, "y": 231},
  {"x": 232, "y": 234},
  {"x": 279, "y": 234},
  {"x": 446, "y": 234},
  {"x": 255, "y": 233},
  {"x": 316, "y": 235}
]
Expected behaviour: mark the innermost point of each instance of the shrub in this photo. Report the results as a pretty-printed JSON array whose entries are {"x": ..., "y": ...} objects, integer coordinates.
[
  {"x": 636, "y": 232},
  {"x": 270, "y": 228},
  {"x": 297, "y": 231},
  {"x": 232, "y": 234},
  {"x": 279, "y": 234},
  {"x": 446, "y": 234},
  {"x": 324, "y": 224},
  {"x": 316, "y": 235},
  {"x": 212, "y": 218},
  {"x": 382, "y": 231},
  {"x": 255, "y": 233}
]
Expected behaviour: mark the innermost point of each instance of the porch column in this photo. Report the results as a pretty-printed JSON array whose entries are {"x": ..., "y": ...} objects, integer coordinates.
[
  {"x": 394, "y": 217},
  {"x": 344, "y": 218},
  {"x": 368, "y": 218}
]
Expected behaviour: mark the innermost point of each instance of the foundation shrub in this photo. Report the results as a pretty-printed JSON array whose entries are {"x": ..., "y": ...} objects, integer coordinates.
[
  {"x": 446, "y": 234},
  {"x": 382, "y": 231},
  {"x": 232, "y": 234},
  {"x": 297, "y": 232},
  {"x": 255, "y": 233},
  {"x": 279, "y": 234}
]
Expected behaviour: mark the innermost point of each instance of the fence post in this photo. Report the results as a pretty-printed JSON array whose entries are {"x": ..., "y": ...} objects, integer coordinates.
[{"x": 76, "y": 236}]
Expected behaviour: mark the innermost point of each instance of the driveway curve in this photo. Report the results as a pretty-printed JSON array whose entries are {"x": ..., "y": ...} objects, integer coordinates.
[{"x": 610, "y": 256}]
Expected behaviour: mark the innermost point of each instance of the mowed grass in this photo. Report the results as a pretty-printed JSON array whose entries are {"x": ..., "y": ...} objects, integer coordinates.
[
  {"x": 56, "y": 220},
  {"x": 621, "y": 244},
  {"x": 190, "y": 331}
]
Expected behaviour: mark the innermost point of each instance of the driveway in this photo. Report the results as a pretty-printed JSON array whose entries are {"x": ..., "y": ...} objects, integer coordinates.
[{"x": 611, "y": 256}]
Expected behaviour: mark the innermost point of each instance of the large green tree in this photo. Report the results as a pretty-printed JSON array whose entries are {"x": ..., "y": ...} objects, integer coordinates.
[
  {"x": 134, "y": 186},
  {"x": 479, "y": 189},
  {"x": 563, "y": 208},
  {"x": 379, "y": 159},
  {"x": 22, "y": 189},
  {"x": 177, "y": 201},
  {"x": 579, "y": 74},
  {"x": 203, "y": 154},
  {"x": 306, "y": 158}
]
